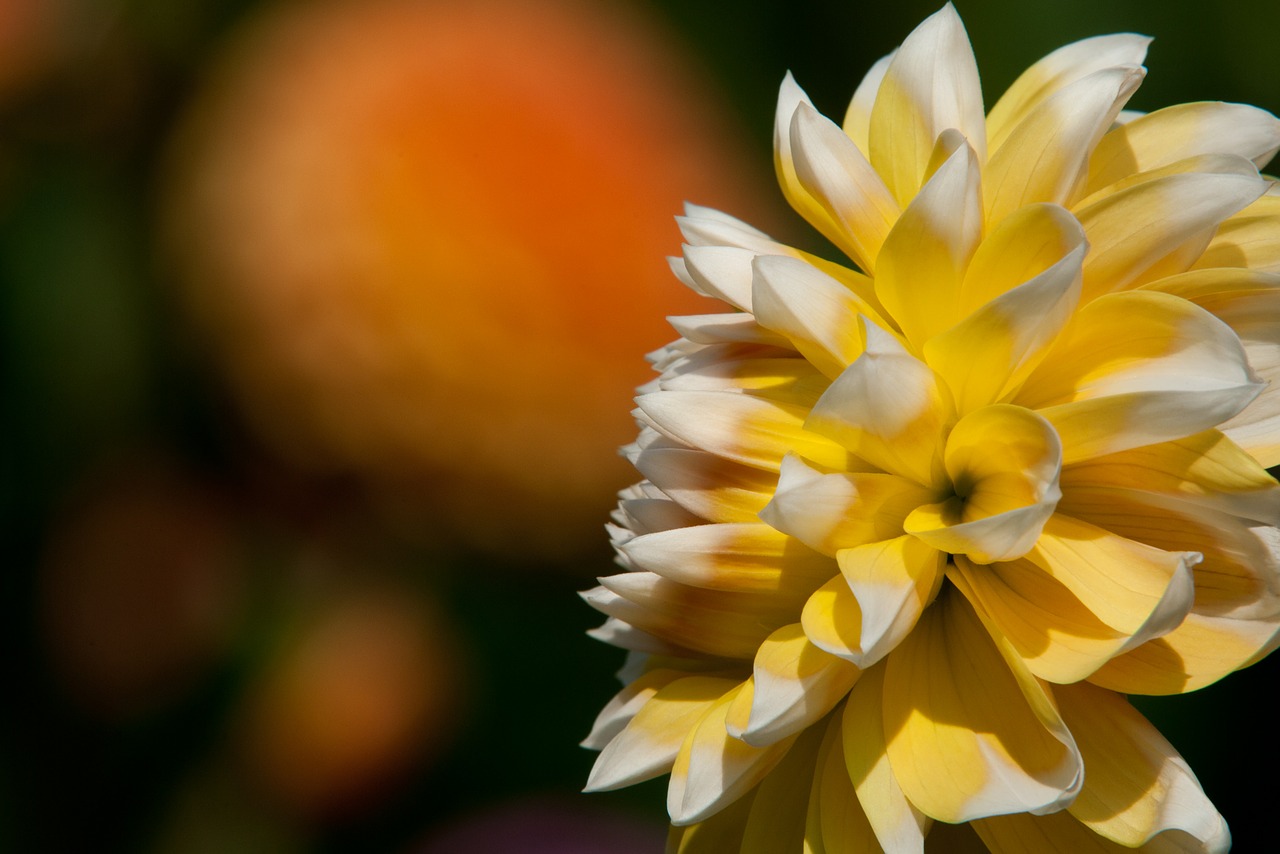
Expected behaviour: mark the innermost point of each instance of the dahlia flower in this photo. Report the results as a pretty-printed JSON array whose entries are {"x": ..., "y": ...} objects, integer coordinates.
[{"x": 914, "y": 523}]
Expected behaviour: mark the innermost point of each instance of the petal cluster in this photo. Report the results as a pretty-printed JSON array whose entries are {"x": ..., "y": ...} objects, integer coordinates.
[{"x": 913, "y": 524}]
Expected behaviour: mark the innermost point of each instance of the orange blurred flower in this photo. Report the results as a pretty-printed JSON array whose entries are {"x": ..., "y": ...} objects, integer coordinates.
[{"x": 422, "y": 238}]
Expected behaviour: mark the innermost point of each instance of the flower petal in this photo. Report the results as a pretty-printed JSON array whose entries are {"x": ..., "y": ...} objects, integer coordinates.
[
  {"x": 1248, "y": 239},
  {"x": 931, "y": 85},
  {"x": 619, "y": 711},
  {"x": 897, "y": 824},
  {"x": 1137, "y": 368},
  {"x": 1178, "y": 132},
  {"x": 829, "y": 512},
  {"x": 923, "y": 260},
  {"x": 713, "y": 768},
  {"x": 969, "y": 733},
  {"x": 790, "y": 97},
  {"x": 1061, "y": 833},
  {"x": 836, "y": 824},
  {"x": 796, "y": 683},
  {"x": 857, "y": 118},
  {"x": 708, "y": 486},
  {"x": 1137, "y": 786},
  {"x": 812, "y": 310},
  {"x": 893, "y": 582},
  {"x": 887, "y": 409},
  {"x": 992, "y": 351},
  {"x": 1046, "y": 157},
  {"x": 1057, "y": 71},
  {"x": 836, "y": 174},
  {"x": 780, "y": 804},
  {"x": 647, "y": 746},
  {"x": 1003, "y": 462}
]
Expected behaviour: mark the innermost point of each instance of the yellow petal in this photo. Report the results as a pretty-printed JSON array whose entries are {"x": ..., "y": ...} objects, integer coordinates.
[
  {"x": 857, "y": 118},
  {"x": 990, "y": 353},
  {"x": 837, "y": 175},
  {"x": 712, "y": 488},
  {"x": 1178, "y": 132},
  {"x": 836, "y": 823},
  {"x": 817, "y": 314},
  {"x": 931, "y": 85},
  {"x": 829, "y": 512},
  {"x": 1248, "y": 239},
  {"x": 715, "y": 834},
  {"x": 1003, "y": 462},
  {"x": 1057, "y": 71},
  {"x": 1137, "y": 786},
  {"x": 780, "y": 804},
  {"x": 713, "y": 769},
  {"x": 619, "y": 711},
  {"x": 923, "y": 260},
  {"x": 893, "y": 581},
  {"x": 897, "y": 824},
  {"x": 832, "y": 619},
  {"x": 1058, "y": 833},
  {"x": 1045, "y": 158},
  {"x": 647, "y": 746},
  {"x": 765, "y": 373},
  {"x": 1023, "y": 246},
  {"x": 969, "y": 732},
  {"x": 887, "y": 409},
  {"x": 739, "y": 427},
  {"x": 1137, "y": 368},
  {"x": 796, "y": 683}
]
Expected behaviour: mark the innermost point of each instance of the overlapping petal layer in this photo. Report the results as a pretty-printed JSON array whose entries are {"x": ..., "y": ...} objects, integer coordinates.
[{"x": 913, "y": 523}]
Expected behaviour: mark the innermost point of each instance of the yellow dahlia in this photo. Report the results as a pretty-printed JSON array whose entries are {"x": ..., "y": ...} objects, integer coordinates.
[{"x": 912, "y": 527}]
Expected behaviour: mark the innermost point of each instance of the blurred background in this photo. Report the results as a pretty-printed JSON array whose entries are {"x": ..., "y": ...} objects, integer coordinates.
[{"x": 320, "y": 323}]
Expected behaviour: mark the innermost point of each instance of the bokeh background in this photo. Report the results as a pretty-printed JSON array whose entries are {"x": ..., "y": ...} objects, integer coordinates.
[{"x": 320, "y": 322}]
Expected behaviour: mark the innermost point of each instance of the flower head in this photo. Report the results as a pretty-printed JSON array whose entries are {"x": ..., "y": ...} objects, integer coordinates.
[{"x": 909, "y": 532}]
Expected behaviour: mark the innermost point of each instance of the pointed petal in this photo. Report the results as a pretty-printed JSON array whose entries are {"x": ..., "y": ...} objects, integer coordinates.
[
  {"x": 708, "y": 486},
  {"x": 1178, "y": 132},
  {"x": 931, "y": 85},
  {"x": 1137, "y": 368},
  {"x": 1248, "y": 239},
  {"x": 969, "y": 732},
  {"x": 796, "y": 683},
  {"x": 781, "y": 802},
  {"x": 1003, "y": 462},
  {"x": 832, "y": 619},
  {"x": 619, "y": 711},
  {"x": 723, "y": 272},
  {"x": 857, "y": 118},
  {"x": 886, "y": 408},
  {"x": 716, "y": 834},
  {"x": 897, "y": 824},
  {"x": 1059, "y": 833},
  {"x": 726, "y": 326},
  {"x": 1138, "y": 785},
  {"x": 1046, "y": 157},
  {"x": 714, "y": 769},
  {"x": 734, "y": 556},
  {"x": 923, "y": 260},
  {"x": 739, "y": 427},
  {"x": 1057, "y": 71},
  {"x": 1130, "y": 232},
  {"x": 893, "y": 582},
  {"x": 790, "y": 97},
  {"x": 812, "y": 310},
  {"x": 829, "y": 512},
  {"x": 836, "y": 823},
  {"x": 836, "y": 174},
  {"x": 647, "y": 746},
  {"x": 992, "y": 351}
]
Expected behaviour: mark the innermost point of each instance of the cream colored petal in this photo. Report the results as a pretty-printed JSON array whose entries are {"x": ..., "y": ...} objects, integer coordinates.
[
  {"x": 700, "y": 217},
  {"x": 1137, "y": 368},
  {"x": 708, "y": 486},
  {"x": 722, "y": 327},
  {"x": 647, "y": 746},
  {"x": 930, "y": 85},
  {"x": 646, "y": 515},
  {"x": 1046, "y": 157},
  {"x": 790, "y": 97},
  {"x": 734, "y": 556},
  {"x": 1178, "y": 132},
  {"x": 739, "y": 427},
  {"x": 713, "y": 769},
  {"x": 1249, "y": 239},
  {"x": 923, "y": 260},
  {"x": 1057, "y": 71},
  {"x": 886, "y": 408},
  {"x": 1003, "y": 462},
  {"x": 836, "y": 174},
  {"x": 817, "y": 314},
  {"x": 780, "y": 804},
  {"x": 796, "y": 684},
  {"x": 893, "y": 581},
  {"x": 722, "y": 272},
  {"x": 715, "y": 622},
  {"x": 836, "y": 824},
  {"x": 857, "y": 118},
  {"x": 990, "y": 353},
  {"x": 775, "y": 375},
  {"x": 1058, "y": 638},
  {"x": 898, "y": 825},
  {"x": 1061, "y": 833},
  {"x": 619, "y": 711},
  {"x": 1130, "y": 232},
  {"x": 1137, "y": 786},
  {"x": 969, "y": 732},
  {"x": 1206, "y": 470},
  {"x": 1137, "y": 589},
  {"x": 621, "y": 634},
  {"x": 829, "y": 512}
]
